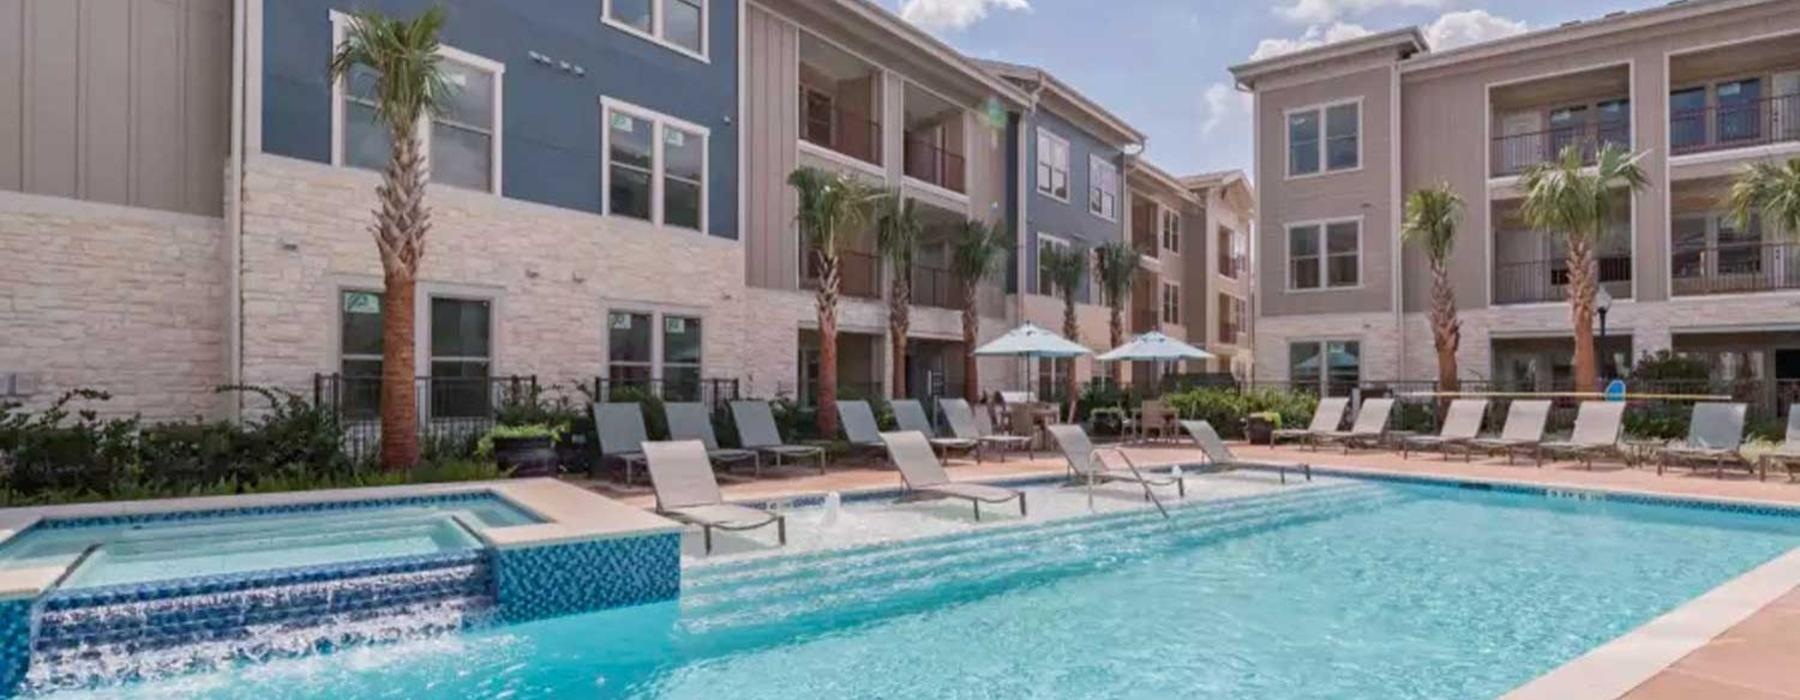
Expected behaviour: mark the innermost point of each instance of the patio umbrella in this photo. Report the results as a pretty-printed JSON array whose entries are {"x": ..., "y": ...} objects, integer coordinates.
[
  {"x": 1155, "y": 347},
  {"x": 1031, "y": 340}
]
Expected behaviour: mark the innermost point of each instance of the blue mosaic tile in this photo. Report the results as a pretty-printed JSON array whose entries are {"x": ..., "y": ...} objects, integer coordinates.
[
  {"x": 448, "y": 499},
  {"x": 15, "y": 643},
  {"x": 564, "y": 579}
]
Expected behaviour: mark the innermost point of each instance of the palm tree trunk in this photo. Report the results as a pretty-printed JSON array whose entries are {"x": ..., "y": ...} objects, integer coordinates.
[
  {"x": 971, "y": 330},
  {"x": 899, "y": 321},
  {"x": 1072, "y": 332},
  {"x": 1118, "y": 338},
  {"x": 829, "y": 279},
  {"x": 1446, "y": 329},
  {"x": 400, "y": 226},
  {"x": 1581, "y": 307}
]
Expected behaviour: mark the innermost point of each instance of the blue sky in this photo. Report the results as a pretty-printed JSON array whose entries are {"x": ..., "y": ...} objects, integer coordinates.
[{"x": 1160, "y": 64}]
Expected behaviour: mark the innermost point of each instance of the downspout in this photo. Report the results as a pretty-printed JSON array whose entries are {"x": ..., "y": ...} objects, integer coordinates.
[
  {"x": 1024, "y": 218},
  {"x": 1394, "y": 218},
  {"x": 234, "y": 206}
]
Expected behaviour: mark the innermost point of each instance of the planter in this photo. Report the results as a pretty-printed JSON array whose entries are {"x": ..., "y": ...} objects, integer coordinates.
[
  {"x": 527, "y": 456},
  {"x": 1259, "y": 430}
]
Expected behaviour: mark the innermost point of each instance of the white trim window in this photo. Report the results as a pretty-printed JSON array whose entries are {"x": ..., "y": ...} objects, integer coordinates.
[
  {"x": 1052, "y": 165},
  {"x": 1103, "y": 188},
  {"x": 1324, "y": 255},
  {"x": 658, "y": 351},
  {"x": 655, "y": 166},
  {"x": 1042, "y": 283},
  {"x": 1335, "y": 366},
  {"x": 1324, "y": 138},
  {"x": 462, "y": 144},
  {"x": 359, "y": 352},
  {"x": 1170, "y": 225},
  {"x": 680, "y": 25},
  {"x": 462, "y": 356},
  {"x": 1171, "y": 303}
]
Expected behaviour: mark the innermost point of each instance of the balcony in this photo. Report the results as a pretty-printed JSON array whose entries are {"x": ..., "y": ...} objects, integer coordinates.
[
  {"x": 935, "y": 287},
  {"x": 1740, "y": 268},
  {"x": 1144, "y": 321},
  {"x": 828, "y": 126},
  {"x": 859, "y": 274},
  {"x": 929, "y": 163},
  {"x": 1547, "y": 280},
  {"x": 1724, "y": 126},
  {"x": 1515, "y": 153}
]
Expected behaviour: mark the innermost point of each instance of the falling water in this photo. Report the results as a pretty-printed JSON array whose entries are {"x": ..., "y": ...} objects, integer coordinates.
[{"x": 834, "y": 506}]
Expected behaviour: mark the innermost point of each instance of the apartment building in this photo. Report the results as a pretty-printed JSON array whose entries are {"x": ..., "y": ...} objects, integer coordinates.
[{"x": 1345, "y": 130}]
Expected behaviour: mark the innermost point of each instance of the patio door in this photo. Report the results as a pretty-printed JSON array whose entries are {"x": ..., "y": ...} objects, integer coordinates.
[
  {"x": 1519, "y": 149},
  {"x": 1786, "y": 105}
]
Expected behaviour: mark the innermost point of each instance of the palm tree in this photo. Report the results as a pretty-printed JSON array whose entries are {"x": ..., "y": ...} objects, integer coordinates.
[
  {"x": 975, "y": 254},
  {"x": 831, "y": 207},
  {"x": 1432, "y": 215},
  {"x": 1768, "y": 190},
  {"x": 1578, "y": 201},
  {"x": 1067, "y": 267},
  {"x": 1115, "y": 264},
  {"x": 410, "y": 86},
  {"x": 897, "y": 231}
]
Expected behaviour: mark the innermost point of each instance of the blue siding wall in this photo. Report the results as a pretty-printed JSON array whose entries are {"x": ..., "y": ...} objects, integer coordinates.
[
  {"x": 1070, "y": 221},
  {"x": 551, "y": 143}
]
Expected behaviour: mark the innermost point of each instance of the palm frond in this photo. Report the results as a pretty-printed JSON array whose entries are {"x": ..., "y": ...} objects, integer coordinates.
[
  {"x": 977, "y": 251},
  {"x": 1116, "y": 263},
  {"x": 1770, "y": 191},
  {"x": 897, "y": 228},
  {"x": 403, "y": 54},
  {"x": 1066, "y": 267},
  {"x": 1432, "y": 215}
]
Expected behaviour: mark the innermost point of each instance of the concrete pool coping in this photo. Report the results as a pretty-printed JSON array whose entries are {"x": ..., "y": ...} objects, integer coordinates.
[{"x": 570, "y": 514}]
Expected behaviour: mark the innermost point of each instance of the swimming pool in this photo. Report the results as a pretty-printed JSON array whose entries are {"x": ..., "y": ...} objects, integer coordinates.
[{"x": 1353, "y": 590}]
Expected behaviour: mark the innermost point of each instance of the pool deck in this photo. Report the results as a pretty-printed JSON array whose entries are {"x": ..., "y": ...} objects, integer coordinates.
[{"x": 1737, "y": 641}]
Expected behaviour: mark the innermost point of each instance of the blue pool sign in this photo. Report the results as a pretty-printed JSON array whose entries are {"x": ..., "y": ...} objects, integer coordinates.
[{"x": 1615, "y": 390}]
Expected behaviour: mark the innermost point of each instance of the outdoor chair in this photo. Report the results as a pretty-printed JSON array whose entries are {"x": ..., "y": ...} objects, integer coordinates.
[
  {"x": 1715, "y": 432},
  {"x": 857, "y": 420},
  {"x": 910, "y": 416},
  {"x": 1325, "y": 419},
  {"x": 1154, "y": 416},
  {"x": 1220, "y": 458},
  {"x": 1086, "y": 466},
  {"x": 1368, "y": 430},
  {"x": 620, "y": 428},
  {"x": 687, "y": 491},
  {"x": 1597, "y": 428},
  {"x": 965, "y": 426},
  {"x": 1462, "y": 423},
  {"x": 1524, "y": 431},
  {"x": 691, "y": 421},
  {"x": 1787, "y": 455},
  {"x": 757, "y": 431},
  {"x": 925, "y": 477}
]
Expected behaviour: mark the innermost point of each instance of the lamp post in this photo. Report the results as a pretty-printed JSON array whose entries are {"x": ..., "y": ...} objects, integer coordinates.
[{"x": 1602, "y": 305}]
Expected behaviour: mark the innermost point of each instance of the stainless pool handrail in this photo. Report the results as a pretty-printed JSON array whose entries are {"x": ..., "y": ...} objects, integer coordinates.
[{"x": 1148, "y": 492}]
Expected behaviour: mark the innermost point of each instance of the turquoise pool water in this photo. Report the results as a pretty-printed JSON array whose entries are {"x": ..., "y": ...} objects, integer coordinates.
[
  {"x": 1360, "y": 590},
  {"x": 174, "y": 549}
]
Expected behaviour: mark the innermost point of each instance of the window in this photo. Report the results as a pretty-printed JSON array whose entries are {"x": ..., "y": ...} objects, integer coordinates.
[
  {"x": 1053, "y": 378},
  {"x": 1171, "y": 230},
  {"x": 629, "y": 356},
  {"x": 1052, "y": 165},
  {"x": 1334, "y": 262},
  {"x": 655, "y": 167},
  {"x": 1227, "y": 254},
  {"x": 359, "y": 352},
  {"x": 1334, "y": 367},
  {"x": 462, "y": 143},
  {"x": 655, "y": 351},
  {"x": 681, "y": 358},
  {"x": 678, "y": 24},
  {"x": 1103, "y": 188},
  {"x": 1687, "y": 118},
  {"x": 461, "y": 357},
  {"x": 1232, "y": 312},
  {"x": 1171, "y": 303},
  {"x": 1045, "y": 283},
  {"x": 1713, "y": 247},
  {"x": 1740, "y": 109},
  {"x": 1327, "y": 136}
]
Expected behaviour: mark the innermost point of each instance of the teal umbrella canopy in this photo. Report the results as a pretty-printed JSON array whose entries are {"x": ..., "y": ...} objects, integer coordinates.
[
  {"x": 1155, "y": 347},
  {"x": 1031, "y": 340}
]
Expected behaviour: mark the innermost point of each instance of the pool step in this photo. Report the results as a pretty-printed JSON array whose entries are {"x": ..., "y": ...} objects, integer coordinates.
[{"x": 87, "y": 637}]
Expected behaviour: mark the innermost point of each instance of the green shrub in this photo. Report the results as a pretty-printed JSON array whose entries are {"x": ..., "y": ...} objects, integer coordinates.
[
  {"x": 1226, "y": 409},
  {"x": 1658, "y": 420}
]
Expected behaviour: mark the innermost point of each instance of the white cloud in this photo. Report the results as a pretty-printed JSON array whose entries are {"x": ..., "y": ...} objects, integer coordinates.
[
  {"x": 1316, "y": 12},
  {"x": 1219, "y": 103},
  {"x": 951, "y": 15},
  {"x": 1469, "y": 27},
  {"x": 1316, "y": 35}
]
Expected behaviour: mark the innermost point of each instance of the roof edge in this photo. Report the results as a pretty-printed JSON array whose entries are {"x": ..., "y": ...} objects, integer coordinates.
[
  {"x": 885, "y": 19},
  {"x": 1571, "y": 31},
  {"x": 1093, "y": 109},
  {"x": 1404, "y": 39}
]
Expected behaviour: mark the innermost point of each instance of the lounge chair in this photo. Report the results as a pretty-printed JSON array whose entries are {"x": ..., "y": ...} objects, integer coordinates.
[
  {"x": 1715, "y": 431},
  {"x": 1524, "y": 431},
  {"x": 1325, "y": 419},
  {"x": 1367, "y": 431},
  {"x": 964, "y": 426},
  {"x": 925, "y": 477},
  {"x": 686, "y": 491},
  {"x": 620, "y": 428},
  {"x": 1087, "y": 466},
  {"x": 1597, "y": 427},
  {"x": 1220, "y": 458},
  {"x": 911, "y": 417},
  {"x": 1787, "y": 455},
  {"x": 1154, "y": 416},
  {"x": 858, "y": 423},
  {"x": 1462, "y": 423},
  {"x": 691, "y": 421},
  {"x": 757, "y": 431}
]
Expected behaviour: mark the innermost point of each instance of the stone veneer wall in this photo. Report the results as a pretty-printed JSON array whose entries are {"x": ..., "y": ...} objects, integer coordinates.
[
  {"x": 552, "y": 274},
  {"x": 128, "y": 300}
]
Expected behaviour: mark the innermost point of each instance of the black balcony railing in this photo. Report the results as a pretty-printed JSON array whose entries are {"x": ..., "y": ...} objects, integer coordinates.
[
  {"x": 1514, "y": 153},
  {"x": 850, "y": 133},
  {"x": 1736, "y": 268},
  {"x": 926, "y": 162},
  {"x": 859, "y": 274},
  {"x": 455, "y": 410},
  {"x": 935, "y": 287},
  {"x": 1538, "y": 281},
  {"x": 1723, "y": 126}
]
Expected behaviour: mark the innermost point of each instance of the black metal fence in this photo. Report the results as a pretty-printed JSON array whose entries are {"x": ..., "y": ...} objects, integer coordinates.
[
  {"x": 453, "y": 411},
  {"x": 1547, "y": 280},
  {"x": 1735, "y": 125},
  {"x": 715, "y": 393},
  {"x": 1515, "y": 153}
]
